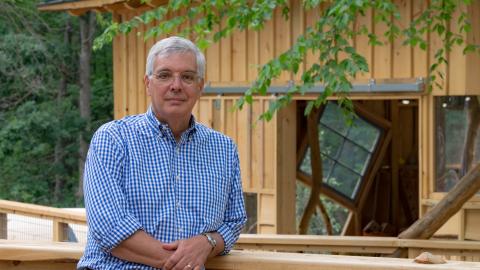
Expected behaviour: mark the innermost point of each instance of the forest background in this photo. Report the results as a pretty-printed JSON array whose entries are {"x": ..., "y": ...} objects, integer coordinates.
[{"x": 42, "y": 126}]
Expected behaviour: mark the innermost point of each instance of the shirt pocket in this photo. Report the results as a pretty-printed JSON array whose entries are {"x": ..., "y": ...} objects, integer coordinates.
[{"x": 214, "y": 196}]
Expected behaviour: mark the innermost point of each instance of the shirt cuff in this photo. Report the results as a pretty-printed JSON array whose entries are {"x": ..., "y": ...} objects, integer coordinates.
[
  {"x": 121, "y": 231},
  {"x": 228, "y": 238}
]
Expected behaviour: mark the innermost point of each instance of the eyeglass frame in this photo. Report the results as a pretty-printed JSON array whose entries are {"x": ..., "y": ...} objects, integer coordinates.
[{"x": 196, "y": 77}]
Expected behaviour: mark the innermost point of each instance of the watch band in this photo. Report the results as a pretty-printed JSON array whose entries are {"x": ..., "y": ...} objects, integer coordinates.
[{"x": 210, "y": 240}]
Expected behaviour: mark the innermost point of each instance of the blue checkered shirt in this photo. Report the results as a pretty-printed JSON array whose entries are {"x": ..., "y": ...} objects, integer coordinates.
[{"x": 138, "y": 177}]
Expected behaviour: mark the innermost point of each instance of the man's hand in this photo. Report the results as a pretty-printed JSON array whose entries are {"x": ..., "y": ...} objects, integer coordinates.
[{"x": 190, "y": 254}]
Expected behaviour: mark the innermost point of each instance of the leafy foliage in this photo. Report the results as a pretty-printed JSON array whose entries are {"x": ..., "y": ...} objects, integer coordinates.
[
  {"x": 39, "y": 124},
  {"x": 338, "y": 61}
]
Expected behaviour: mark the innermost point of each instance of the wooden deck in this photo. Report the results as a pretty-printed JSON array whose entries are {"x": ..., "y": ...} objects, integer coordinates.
[{"x": 52, "y": 256}]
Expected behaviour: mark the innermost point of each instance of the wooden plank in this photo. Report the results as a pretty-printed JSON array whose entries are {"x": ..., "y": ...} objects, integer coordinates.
[
  {"x": 212, "y": 56},
  {"x": 141, "y": 61},
  {"x": 205, "y": 115},
  {"x": 226, "y": 64},
  {"x": 253, "y": 61},
  {"x": 286, "y": 168},
  {"x": 311, "y": 16},
  {"x": 132, "y": 76},
  {"x": 282, "y": 41},
  {"x": 473, "y": 59},
  {"x": 38, "y": 265},
  {"x": 457, "y": 66},
  {"x": 420, "y": 57},
  {"x": 239, "y": 56},
  {"x": 361, "y": 43},
  {"x": 244, "y": 142},
  {"x": 297, "y": 20},
  {"x": 257, "y": 145},
  {"x": 123, "y": 62},
  {"x": 382, "y": 58},
  {"x": 402, "y": 55},
  {"x": 39, "y": 211},
  {"x": 118, "y": 75},
  {"x": 270, "y": 150}
]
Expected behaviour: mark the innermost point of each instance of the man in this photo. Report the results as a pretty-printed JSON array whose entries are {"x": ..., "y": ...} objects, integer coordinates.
[{"x": 161, "y": 190}]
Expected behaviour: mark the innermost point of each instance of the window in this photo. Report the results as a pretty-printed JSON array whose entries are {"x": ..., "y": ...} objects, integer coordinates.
[
  {"x": 346, "y": 150},
  {"x": 457, "y": 143}
]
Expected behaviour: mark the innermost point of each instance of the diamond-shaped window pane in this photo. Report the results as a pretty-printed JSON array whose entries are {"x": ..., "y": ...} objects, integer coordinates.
[
  {"x": 364, "y": 134},
  {"x": 354, "y": 157},
  {"x": 332, "y": 117},
  {"x": 344, "y": 181},
  {"x": 305, "y": 166},
  {"x": 330, "y": 142}
]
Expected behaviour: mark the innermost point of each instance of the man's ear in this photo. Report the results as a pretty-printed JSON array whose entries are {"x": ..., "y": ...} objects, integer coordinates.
[
  {"x": 146, "y": 80},
  {"x": 201, "y": 85}
]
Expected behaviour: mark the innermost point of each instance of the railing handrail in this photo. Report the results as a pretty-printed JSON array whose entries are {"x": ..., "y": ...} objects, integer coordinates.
[
  {"x": 44, "y": 252},
  {"x": 363, "y": 244},
  {"x": 43, "y": 212}
]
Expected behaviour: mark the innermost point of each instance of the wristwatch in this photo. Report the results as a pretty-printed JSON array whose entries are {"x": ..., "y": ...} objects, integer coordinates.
[{"x": 210, "y": 239}]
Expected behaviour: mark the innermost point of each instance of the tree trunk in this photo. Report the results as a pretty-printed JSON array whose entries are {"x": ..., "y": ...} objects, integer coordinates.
[
  {"x": 87, "y": 31},
  {"x": 59, "y": 147},
  {"x": 317, "y": 177},
  {"x": 426, "y": 226}
]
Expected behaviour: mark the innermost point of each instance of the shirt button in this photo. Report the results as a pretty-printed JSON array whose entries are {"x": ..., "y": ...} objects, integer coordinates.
[
  {"x": 180, "y": 229},
  {"x": 177, "y": 178},
  {"x": 177, "y": 205}
]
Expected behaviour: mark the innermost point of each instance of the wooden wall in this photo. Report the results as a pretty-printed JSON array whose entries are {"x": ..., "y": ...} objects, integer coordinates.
[{"x": 267, "y": 149}]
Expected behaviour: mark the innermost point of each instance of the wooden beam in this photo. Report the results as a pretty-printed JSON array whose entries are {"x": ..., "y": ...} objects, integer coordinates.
[
  {"x": 89, "y": 4},
  {"x": 59, "y": 231}
]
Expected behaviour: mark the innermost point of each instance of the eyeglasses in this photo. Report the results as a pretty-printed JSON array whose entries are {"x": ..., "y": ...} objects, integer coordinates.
[{"x": 167, "y": 77}]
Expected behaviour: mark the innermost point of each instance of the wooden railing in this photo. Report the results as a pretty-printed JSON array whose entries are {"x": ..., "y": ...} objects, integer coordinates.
[
  {"x": 60, "y": 218},
  {"x": 372, "y": 246},
  {"x": 53, "y": 256},
  {"x": 369, "y": 246}
]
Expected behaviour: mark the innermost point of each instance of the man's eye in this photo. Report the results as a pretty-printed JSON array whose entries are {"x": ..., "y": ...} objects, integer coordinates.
[
  {"x": 164, "y": 76},
  {"x": 188, "y": 77}
]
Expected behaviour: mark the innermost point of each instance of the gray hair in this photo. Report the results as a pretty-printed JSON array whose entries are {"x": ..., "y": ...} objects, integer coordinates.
[{"x": 171, "y": 45}]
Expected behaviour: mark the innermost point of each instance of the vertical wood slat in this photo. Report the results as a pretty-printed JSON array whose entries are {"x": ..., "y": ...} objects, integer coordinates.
[
  {"x": 420, "y": 57},
  {"x": 226, "y": 58},
  {"x": 402, "y": 55},
  {"x": 297, "y": 26},
  {"x": 257, "y": 145},
  {"x": 239, "y": 56},
  {"x": 132, "y": 72},
  {"x": 361, "y": 43},
  {"x": 282, "y": 41},
  {"x": 141, "y": 61},
  {"x": 269, "y": 150},
  {"x": 382, "y": 58},
  {"x": 3, "y": 226},
  {"x": 472, "y": 84}
]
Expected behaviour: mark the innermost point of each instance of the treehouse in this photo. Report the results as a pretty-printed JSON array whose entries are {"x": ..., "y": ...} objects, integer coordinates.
[
  {"x": 406, "y": 149},
  {"x": 404, "y": 152}
]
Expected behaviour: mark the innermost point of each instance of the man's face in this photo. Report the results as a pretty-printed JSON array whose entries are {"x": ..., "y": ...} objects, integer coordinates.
[{"x": 174, "y": 87}]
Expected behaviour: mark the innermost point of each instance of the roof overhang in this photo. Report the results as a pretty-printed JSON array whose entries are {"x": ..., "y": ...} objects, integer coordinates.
[{"x": 78, "y": 7}]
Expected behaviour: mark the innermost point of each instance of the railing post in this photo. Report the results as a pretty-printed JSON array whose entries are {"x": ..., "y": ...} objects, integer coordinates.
[
  {"x": 3, "y": 226},
  {"x": 60, "y": 231}
]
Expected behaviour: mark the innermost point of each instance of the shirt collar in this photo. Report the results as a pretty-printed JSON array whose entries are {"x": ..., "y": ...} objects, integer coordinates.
[{"x": 163, "y": 129}]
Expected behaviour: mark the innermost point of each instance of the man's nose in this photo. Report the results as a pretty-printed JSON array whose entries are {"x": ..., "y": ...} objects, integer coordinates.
[{"x": 176, "y": 83}]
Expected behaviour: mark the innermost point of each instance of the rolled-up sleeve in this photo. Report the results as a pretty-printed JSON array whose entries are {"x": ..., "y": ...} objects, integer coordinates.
[
  {"x": 235, "y": 216},
  {"x": 108, "y": 219}
]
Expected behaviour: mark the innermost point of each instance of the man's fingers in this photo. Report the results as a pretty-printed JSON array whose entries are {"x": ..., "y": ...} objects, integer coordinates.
[{"x": 171, "y": 262}]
